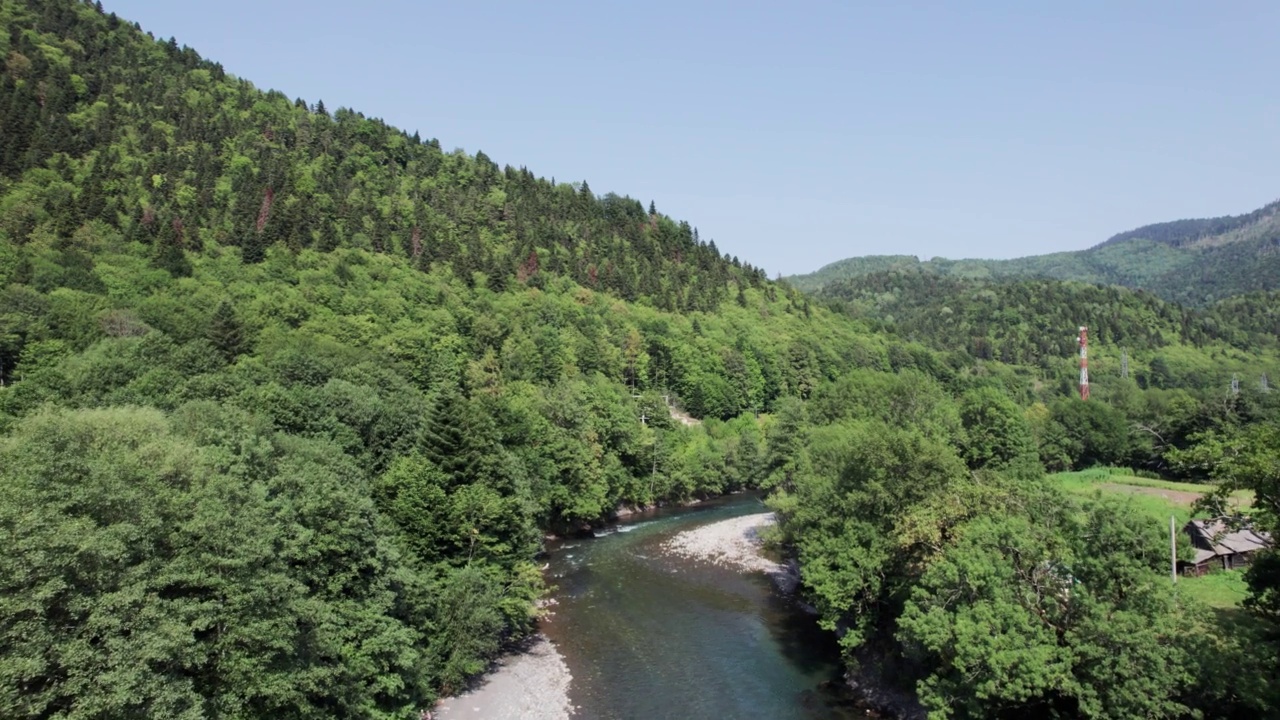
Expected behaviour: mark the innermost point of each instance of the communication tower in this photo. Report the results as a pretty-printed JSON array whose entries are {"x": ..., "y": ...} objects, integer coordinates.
[{"x": 1084, "y": 362}]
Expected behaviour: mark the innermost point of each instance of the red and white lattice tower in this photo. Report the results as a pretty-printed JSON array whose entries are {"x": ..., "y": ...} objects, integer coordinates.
[{"x": 1084, "y": 363}]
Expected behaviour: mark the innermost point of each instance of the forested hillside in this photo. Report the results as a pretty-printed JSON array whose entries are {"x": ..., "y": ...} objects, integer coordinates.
[
  {"x": 1261, "y": 223},
  {"x": 1255, "y": 313},
  {"x": 101, "y": 124},
  {"x": 289, "y": 400},
  {"x": 1033, "y": 322},
  {"x": 1192, "y": 262}
]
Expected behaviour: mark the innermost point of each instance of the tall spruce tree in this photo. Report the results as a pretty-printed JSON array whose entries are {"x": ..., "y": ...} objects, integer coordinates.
[{"x": 225, "y": 331}]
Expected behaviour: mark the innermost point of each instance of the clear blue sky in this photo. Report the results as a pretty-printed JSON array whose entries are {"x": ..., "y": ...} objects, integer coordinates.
[{"x": 795, "y": 134}]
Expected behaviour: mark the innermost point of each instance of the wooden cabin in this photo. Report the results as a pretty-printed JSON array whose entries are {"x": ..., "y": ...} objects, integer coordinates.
[{"x": 1222, "y": 543}]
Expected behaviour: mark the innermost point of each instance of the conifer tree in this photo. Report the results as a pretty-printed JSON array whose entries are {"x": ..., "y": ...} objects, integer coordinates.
[
  {"x": 445, "y": 437},
  {"x": 225, "y": 331},
  {"x": 167, "y": 253}
]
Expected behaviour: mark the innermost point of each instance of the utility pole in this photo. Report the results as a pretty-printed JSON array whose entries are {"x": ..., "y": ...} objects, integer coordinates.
[
  {"x": 1084, "y": 362},
  {"x": 1173, "y": 550},
  {"x": 653, "y": 474}
]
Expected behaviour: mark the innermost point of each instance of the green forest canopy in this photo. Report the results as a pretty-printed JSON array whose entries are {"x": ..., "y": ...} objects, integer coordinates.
[{"x": 289, "y": 397}]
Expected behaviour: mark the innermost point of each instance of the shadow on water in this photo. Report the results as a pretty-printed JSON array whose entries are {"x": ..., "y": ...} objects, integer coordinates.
[
  {"x": 649, "y": 635},
  {"x": 798, "y": 636},
  {"x": 817, "y": 654}
]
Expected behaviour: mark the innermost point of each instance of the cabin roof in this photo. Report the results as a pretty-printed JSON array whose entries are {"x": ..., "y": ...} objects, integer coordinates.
[
  {"x": 1226, "y": 537},
  {"x": 1203, "y": 555}
]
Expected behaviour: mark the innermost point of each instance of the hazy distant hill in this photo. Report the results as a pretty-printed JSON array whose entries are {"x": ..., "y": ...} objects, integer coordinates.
[
  {"x": 1193, "y": 262},
  {"x": 1033, "y": 321}
]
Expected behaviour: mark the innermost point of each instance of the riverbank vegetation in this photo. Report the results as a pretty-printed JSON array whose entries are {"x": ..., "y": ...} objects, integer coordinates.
[
  {"x": 935, "y": 535},
  {"x": 289, "y": 398}
]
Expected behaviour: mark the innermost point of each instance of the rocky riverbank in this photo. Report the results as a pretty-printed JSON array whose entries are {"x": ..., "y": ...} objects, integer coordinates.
[
  {"x": 736, "y": 543},
  {"x": 532, "y": 684}
]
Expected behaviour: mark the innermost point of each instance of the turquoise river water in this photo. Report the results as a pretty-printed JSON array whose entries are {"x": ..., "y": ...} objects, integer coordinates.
[{"x": 649, "y": 635}]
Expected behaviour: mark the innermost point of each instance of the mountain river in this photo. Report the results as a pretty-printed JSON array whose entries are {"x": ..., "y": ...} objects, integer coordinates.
[{"x": 648, "y": 634}]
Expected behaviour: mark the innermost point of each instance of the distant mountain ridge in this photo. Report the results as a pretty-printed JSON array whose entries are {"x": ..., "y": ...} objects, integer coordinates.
[
  {"x": 1193, "y": 262},
  {"x": 1264, "y": 221}
]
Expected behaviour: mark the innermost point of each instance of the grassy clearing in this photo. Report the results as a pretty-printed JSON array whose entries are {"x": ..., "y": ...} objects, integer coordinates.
[
  {"x": 1122, "y": 476},
  {"x": 1223, "y": 589},
  {"x": 1090, "y": 482},
  {"x": 1117, "y": 480}
]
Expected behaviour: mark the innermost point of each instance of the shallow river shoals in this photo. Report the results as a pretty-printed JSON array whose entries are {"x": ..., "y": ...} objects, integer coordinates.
[{"x": 650, "y": 633}]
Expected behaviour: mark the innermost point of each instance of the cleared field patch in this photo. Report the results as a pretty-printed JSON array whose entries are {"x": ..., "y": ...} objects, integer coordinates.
[
  {"x": 1222, "y": 589},
  {"x": 1184, "y": 498},
  {"x": 1160, "y": 499},
  {"x": 1176, "y": 495},
  {"x": 1158, "y": 503}
]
